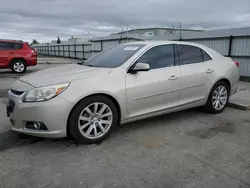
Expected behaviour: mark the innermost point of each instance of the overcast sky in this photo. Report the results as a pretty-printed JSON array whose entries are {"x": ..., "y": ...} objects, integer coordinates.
[{"x": 44, "y": 20}]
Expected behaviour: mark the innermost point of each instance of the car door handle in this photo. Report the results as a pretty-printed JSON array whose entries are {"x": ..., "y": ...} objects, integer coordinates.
[
  {"x": 11, "y": 52},
  {"x": 209, "y": 71},
  {"x": 173, "y": 77}
]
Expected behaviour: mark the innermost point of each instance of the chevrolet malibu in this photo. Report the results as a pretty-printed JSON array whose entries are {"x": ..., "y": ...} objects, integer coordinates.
[{"x": 124, "y": 83}]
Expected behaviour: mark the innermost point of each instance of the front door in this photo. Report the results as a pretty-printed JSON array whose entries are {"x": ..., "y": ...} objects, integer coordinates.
[{"x": 156, "y": 89}]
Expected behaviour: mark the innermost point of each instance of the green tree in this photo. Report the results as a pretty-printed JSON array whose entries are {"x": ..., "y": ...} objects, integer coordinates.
[{"x": 34, "y": 41}]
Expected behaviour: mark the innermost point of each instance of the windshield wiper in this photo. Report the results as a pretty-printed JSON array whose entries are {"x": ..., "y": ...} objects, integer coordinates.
[
  {"x": 90, "y": 65},
  {"x": 80, "y": 63}
]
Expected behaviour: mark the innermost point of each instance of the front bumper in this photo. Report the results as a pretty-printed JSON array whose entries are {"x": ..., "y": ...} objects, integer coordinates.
[{"x": 53, "y": 113}]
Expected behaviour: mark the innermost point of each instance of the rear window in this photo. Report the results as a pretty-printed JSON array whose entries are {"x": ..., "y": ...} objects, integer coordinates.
[{"x": 205, "y": 56}]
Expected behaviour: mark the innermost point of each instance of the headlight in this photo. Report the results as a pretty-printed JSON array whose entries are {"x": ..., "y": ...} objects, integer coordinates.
[{"x": 44, "y": 93}]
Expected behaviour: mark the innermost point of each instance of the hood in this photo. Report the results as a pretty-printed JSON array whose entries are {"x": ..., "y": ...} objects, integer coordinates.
[{"x": 63, "y": 74}]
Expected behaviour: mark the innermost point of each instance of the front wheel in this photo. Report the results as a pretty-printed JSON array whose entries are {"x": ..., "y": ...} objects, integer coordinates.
[
  {"x": 93, "y": 119},
  {"x": 218, "y": 98}
]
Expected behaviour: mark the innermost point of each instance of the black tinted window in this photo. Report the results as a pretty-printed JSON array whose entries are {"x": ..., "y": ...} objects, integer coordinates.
[
  {"x": 205, "y": 56},
  {"x": 189, "y": 54},
  {"x": 17, "y": 46},
  {"x": 114, "y": 56},
  {"x": 5, "y": 46},
  {"x": 159, "y": 57},
  {"x": 10, "y": 46}
]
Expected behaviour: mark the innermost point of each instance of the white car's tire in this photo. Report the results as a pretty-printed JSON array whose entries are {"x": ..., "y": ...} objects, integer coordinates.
[
  {"x": 93, "y": 119},
  {"x": 218, "y": 98}
]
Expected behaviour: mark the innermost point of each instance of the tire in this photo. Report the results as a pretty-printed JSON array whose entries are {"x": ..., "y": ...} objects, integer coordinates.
[
  {"x": 94, "y": 128},
  {"x": 18, "y": 66},
  {"x": 210, "y": 105}
]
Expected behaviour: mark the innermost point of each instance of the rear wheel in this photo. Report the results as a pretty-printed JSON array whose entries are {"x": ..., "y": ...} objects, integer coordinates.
[
  {"x": 217, "y": 98},
  {"x": 18, "y": 66},
  {"x": 93, "y": 119}
]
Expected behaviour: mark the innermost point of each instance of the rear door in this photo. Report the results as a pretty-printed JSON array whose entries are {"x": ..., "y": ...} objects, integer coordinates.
[
  {"x": 195, "y": 74},
  {"x": 157, "y": 89}
]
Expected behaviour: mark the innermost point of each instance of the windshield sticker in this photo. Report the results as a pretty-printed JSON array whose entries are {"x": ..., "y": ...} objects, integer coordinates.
[{"x": 132, "y": 48}]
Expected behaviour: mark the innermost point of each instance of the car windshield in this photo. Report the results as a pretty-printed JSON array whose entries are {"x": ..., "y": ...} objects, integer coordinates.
[{"x": 114, "y": 56}]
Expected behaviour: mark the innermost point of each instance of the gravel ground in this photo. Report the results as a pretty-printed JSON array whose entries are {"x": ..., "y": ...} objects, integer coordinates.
[{"x": 184, "y": 149}]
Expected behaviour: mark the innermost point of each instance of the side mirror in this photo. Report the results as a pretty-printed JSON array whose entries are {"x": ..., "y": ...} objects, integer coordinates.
[{"x": 140, "y": 67}]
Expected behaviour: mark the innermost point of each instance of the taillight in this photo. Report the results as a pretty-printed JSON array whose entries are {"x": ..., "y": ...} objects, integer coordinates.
[
  {"x": 33, "y": 52},
  {"x": 237, "y": 63}
]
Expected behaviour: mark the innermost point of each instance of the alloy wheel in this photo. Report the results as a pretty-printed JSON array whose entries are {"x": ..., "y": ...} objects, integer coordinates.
[
  {"x": 220, "y": 97},
  {"x": 95, "y": 120},
  {"x": 19, "y": 67}
]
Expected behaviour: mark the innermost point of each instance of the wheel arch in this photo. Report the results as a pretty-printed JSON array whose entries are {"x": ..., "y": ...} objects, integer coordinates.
[
  {"x": 112, "y": 98},
  {"x": 218, "y": 80},
  {"x": 223, "y": 80},
  {"x": 227, "y": 82},
  {"x": 17, "y": 58}
]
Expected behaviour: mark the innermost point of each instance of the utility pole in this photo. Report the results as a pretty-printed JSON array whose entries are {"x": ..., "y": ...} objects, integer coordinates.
[
  {"x": 180, "y": 31},
  {"x": 127, "y": 33}
]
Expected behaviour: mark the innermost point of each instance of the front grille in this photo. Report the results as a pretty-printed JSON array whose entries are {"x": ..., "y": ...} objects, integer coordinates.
[{"x": 16, "y": 92}]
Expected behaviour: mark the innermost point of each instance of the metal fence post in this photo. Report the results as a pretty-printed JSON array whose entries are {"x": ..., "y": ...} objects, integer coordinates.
[
  {"x": 58, "y": 50},
  {"x": 101, "y": 46},
  {"x": 230, "y": 45},
  {"x": 83, "y": 51},
  {"x": 69, "y": 51},
  {"x": 75, "y": 50},
  {"x": 63, "y": 51}
]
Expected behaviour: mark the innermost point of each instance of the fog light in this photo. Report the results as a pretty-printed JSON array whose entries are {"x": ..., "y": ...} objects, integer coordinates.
[{"x": 35, "y": 125}]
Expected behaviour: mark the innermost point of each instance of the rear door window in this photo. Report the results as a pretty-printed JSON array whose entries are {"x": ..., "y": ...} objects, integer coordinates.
[{"x": 189, "y": 54}]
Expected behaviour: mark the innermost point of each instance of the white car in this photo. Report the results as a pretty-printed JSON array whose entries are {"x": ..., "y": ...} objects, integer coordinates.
[{"x": 122, "y": 84}]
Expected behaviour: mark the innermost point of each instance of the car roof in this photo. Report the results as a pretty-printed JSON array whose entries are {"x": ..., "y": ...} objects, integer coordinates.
[
  {"x": 10, "y": 40},
  {"x": 152, "y": 42}
]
